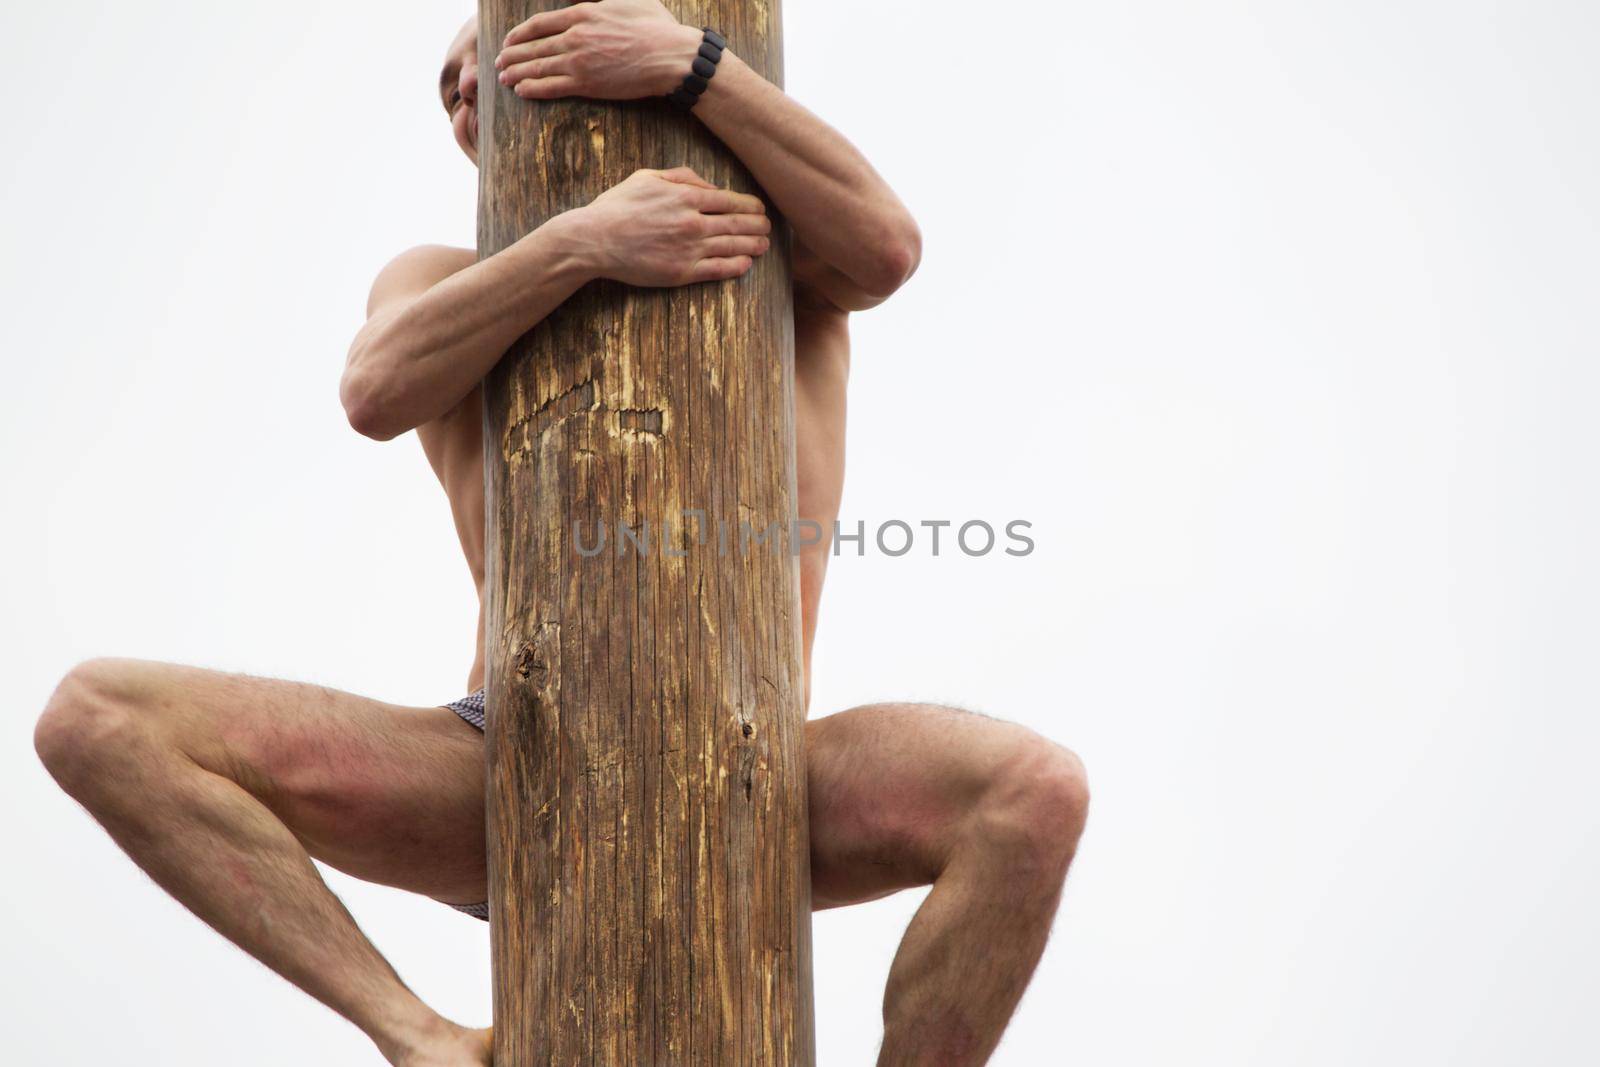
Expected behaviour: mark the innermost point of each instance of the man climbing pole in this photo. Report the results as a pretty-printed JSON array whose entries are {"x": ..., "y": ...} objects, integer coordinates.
[{"x": 224, "y": 787}]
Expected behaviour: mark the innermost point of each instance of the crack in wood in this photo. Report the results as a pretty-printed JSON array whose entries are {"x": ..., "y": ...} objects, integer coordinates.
[
  {"x": 640, "y": 421},
  {"x": 523, "y": 435}
]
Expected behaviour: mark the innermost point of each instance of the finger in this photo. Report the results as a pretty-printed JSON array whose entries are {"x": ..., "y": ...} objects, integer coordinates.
[
  {"x": 712, "y": 270},
  {"x": 686, "y": 176},
  {"x": 723, "y": 201},
  {"x": 732, "y": 246},
  {"x": 533, "y": 69},
  {"x": 546, "y": 23},
  {"x": 737, "y": 222},
  {"x": 521, "y": 53},
  {"x": 547, "y": 88}
]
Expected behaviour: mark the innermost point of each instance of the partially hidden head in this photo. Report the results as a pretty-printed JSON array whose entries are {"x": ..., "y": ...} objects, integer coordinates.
[{"x": 458, "y": 87}]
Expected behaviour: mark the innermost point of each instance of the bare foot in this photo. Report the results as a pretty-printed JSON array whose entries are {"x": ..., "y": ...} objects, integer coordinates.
[{"x": 456, "y": 1046}]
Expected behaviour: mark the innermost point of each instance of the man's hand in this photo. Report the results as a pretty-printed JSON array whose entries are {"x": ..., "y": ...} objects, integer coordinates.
[
  {"x": 836, "y": 204},
  {"x": 601, "y": 49},
  {"x": 670, "y": 227}
]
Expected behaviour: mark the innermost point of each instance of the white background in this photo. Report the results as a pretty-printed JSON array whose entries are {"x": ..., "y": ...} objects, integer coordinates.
[{"x": 1279, "y": 321}]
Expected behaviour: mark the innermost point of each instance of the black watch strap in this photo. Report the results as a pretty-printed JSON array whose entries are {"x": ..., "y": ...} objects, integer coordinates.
[{"x": 700, "y": 72}]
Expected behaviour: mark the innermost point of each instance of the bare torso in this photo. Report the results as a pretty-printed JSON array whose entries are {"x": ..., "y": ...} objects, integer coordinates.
[{"x": 453, "y": 443}]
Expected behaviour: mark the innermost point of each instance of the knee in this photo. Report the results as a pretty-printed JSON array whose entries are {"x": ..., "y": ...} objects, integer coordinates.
[
  {"x": 1034, "y": 811},
  {"x": 94, "y": 718}
]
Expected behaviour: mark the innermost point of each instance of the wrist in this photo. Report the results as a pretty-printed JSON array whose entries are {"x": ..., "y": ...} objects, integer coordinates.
[
  {"x": 682, "y": 46},
  {"x": 703, "y": 66},
  {"x": 724, "y": 89},
  {"x": 573, "y": 248}
]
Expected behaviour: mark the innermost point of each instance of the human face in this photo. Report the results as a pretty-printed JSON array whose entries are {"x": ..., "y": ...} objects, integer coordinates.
[{"x": 458, "y": 88}]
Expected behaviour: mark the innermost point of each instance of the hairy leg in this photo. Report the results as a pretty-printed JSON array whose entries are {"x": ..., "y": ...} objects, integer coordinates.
[
  {"x": 223, "y": 787},
  {"x": 990, "y": 813}
]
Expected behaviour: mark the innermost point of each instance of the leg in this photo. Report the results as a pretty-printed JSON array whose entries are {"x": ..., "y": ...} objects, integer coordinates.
[
  {"x": 988, "y": 812},
  {"x": 223, "y": 787}
]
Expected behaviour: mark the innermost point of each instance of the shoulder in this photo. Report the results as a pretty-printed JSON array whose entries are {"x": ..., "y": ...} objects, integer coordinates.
[{"x": 415, "y": 270}]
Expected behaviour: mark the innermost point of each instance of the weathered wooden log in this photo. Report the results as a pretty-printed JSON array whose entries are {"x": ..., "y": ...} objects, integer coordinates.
[{"x": 649, "y": 883}]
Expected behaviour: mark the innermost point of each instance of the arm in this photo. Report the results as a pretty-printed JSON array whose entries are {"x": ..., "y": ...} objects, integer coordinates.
[
  {"x": 435, "y": 328},
  {"x": 837, "y": 204},
  {"x": 433, "y": 331}
]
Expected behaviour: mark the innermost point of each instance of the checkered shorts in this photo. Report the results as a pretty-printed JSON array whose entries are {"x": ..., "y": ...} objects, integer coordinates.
[{"x": 470, "y": 708}]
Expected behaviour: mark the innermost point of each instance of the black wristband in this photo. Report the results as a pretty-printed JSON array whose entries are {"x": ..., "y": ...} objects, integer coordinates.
[{"x": 700, "y": 72}]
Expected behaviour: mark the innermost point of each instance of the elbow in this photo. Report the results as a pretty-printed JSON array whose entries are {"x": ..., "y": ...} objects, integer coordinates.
[
  {"x": 899, "y": 252},
  {"x": 907, "y": 252},
  {"x": 370, "y": 424},
  {"x": 365, "y": 409}
]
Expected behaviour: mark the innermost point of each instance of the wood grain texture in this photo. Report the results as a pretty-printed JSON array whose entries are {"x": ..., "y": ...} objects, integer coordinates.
[{"x": 648, "y": 852}]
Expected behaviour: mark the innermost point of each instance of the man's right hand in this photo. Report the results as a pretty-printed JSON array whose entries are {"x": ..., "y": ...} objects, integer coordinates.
[{"x": 671, "y": 227}]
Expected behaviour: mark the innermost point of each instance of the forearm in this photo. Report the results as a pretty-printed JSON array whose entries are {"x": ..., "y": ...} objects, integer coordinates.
[
  {"x": 412, "y": 363},
  {"x": 835, "y": 201}
]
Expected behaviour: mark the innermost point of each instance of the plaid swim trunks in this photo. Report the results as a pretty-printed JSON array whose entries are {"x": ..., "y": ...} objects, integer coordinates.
[{"x": 470, "y": 708}]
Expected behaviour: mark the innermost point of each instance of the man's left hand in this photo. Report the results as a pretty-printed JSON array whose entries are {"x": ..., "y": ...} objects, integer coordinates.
[{"x": 602, "y": 49}]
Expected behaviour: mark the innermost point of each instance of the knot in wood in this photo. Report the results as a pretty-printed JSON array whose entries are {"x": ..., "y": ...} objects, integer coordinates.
[{"x": 528, "y": 662}]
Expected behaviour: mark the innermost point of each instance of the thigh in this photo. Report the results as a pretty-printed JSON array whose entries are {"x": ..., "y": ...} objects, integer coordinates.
[
  {"x": 892, "y": 789},
  {"x": 389, "y": 793}
]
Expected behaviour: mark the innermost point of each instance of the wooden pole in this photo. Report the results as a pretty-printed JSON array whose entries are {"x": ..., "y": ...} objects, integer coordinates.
[{"x": 649, "y": 883}]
